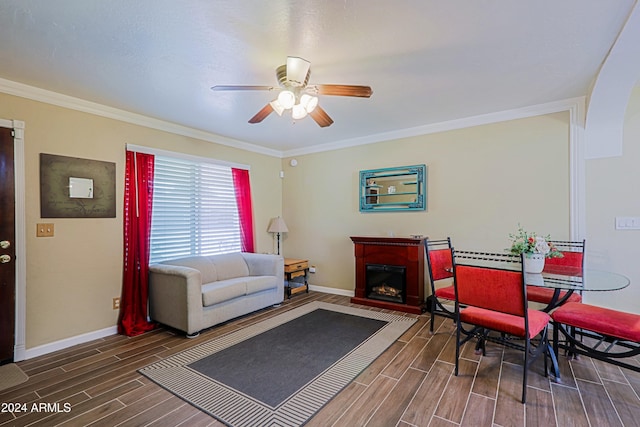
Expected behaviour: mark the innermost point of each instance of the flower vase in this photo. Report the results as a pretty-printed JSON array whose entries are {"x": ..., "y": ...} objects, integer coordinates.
[{"x": 534, "y": 263}]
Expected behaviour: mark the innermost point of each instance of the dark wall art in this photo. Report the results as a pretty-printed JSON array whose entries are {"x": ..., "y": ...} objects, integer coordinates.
[{"x": 76, "y": 188}]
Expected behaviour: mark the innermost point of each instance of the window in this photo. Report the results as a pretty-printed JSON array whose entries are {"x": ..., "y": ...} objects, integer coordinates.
[{"x": 194, "y": 210}]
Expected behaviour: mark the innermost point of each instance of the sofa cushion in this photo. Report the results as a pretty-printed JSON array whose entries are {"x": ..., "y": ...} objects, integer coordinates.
[
  {"x": 260, "y": 283},
  {"x": 229, "y": 266},
  {"x": 203, "y": 264},
  {"x": 223, "y": 290}
]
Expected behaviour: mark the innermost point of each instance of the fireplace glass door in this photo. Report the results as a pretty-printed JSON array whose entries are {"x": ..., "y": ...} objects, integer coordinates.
[{"x": 386, "y": 283}]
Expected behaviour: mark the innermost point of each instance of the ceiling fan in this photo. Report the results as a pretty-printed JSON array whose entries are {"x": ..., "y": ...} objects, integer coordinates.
[{"x": 297, "y": 95}]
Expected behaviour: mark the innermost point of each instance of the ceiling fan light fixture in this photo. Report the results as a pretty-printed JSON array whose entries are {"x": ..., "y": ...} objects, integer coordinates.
[
  {"x": 286, "y": 98},
  {"x": 277, "y": 107},
  {"x": 309, "y": 102},
  {"x": 298, "y": 112},
  {"x": 295, "y": 92}
]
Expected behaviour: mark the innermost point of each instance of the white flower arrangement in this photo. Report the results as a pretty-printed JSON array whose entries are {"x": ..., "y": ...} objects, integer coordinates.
[{"x": 530, "y": 243}]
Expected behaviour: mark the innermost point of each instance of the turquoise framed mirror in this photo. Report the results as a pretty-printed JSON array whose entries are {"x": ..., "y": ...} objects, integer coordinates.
[{"x": 393, "y": 189}]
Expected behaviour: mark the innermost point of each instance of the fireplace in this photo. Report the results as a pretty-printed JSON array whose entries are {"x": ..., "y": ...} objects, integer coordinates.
[
  {"x": 403, "y": 259},
  {"x": 386, "y": 282}
]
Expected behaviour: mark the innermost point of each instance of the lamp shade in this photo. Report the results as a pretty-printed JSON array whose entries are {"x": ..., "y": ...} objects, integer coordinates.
[{"x": 277, "y": 225}]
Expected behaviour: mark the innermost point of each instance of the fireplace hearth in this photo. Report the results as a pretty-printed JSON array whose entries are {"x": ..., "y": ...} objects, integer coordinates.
[{"x": 385, "y": 258}]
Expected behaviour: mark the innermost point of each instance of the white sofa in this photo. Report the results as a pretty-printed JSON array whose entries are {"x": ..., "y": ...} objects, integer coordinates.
[{"x": 197, "y": 292}]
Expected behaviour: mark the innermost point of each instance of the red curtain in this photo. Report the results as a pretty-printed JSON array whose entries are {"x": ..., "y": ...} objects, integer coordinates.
[
  {"x": 138, "y": 200},
  {"x": 243, "y": 199}
]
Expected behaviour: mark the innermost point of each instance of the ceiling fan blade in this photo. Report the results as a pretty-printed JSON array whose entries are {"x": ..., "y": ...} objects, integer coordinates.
[
  {"x": 262, "y": 114},
  {"x": 297, "y": 70},
  {"x": 321, "y": 117},
  {"x": 341, "y": 90},
  {"x": 240, "y": 87}
]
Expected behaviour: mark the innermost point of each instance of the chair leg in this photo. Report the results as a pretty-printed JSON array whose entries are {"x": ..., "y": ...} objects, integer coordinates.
[
  {"x": 554, "y": 362},
  {"x": 481, "y": 348},
  {"x": 544, "y": 354},
  {"x": 526, "y": 367},
  {"x": 457, "y": 347},
  {"x": 433, "y": 312},
  {"x": 574, "y": 355},
  {"x": 555, "y": 339},
  {"x": 551, "y": 352}
]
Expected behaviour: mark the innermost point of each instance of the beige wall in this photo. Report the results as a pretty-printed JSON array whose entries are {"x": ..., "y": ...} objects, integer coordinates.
[
  {"x": 72, "y": 277},
  {"x": 613, "y": 190},
  {"x": 482, "y": 182}
]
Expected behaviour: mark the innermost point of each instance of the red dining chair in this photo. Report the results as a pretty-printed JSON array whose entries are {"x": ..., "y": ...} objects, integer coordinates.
[
  {"x": 571, "y": 262},
  {"x": 495, "y": 299},
  {"x": 440, "y": 267}
]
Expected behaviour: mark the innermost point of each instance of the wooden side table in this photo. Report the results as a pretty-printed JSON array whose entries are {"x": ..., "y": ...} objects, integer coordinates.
[{"x": 294, "y": 268}]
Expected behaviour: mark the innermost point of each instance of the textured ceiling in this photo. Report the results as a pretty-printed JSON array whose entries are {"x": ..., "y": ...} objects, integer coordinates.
[{"x": 428, "y": 61}]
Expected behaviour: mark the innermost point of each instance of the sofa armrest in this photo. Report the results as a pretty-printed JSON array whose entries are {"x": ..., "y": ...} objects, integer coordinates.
[
  {"x": 265, "y": 265},
  {"x": 175, "y": 296}
]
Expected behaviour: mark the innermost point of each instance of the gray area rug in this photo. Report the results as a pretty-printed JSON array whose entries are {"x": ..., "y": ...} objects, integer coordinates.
[
  {"x": 282, "y": 370},
  {"x": 302, "y": 349}
]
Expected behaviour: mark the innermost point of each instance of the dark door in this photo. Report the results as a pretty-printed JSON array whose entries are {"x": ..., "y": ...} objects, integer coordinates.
[{"x": 7, "y": 247}]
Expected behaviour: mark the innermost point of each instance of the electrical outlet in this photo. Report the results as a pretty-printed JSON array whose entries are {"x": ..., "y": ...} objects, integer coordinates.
[
  {"x": 312, "y": 269},
  {"x": 116, "y": 303}
]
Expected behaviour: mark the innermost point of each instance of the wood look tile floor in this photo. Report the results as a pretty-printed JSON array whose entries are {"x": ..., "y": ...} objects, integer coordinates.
[{"x": 410, "y": 384}]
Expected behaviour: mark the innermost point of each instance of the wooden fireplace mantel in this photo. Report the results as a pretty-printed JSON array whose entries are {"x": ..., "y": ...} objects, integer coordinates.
[{"x": 399, "y": 251}]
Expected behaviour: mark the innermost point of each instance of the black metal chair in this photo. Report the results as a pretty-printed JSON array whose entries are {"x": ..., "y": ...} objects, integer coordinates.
[
  {"x": 495, "y": 299},
  {"x": 613, "y": 336},
  {"x": 572, "y": 260},
  {"x": 440, "y": 267}
]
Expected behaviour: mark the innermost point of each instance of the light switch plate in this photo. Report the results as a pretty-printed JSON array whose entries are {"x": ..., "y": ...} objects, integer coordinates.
[
  {"x": 627, "y": 223},
  {"x": 44, "y": 230}
]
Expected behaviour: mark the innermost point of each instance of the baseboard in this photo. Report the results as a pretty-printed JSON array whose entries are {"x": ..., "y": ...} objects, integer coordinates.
[
  {"x": 90, "y": 336},
  {"x": 69, "y": 342},
  {"x": 334, "y": 291}
]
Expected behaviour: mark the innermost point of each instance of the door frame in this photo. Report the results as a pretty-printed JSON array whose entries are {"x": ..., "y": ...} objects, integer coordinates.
[{"x": 19, "y": 349}]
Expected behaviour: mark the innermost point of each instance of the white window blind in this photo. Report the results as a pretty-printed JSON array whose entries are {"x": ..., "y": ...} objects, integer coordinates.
[{"x": 194, "y": 210}]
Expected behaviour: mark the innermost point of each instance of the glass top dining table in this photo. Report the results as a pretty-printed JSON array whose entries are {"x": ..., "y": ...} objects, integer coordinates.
[
  {"x": 567, "y": 280},
  {"x": 571, "y": 278}
]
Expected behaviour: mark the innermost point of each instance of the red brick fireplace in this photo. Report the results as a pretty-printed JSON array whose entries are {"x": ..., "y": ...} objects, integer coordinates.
[{"x": 390, "y": 255}]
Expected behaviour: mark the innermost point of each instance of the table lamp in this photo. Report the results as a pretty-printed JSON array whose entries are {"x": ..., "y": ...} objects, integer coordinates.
[{"x": 277, "y": 226}]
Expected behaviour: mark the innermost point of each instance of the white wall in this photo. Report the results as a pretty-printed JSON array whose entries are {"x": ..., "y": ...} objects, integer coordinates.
[{"x": 613, "y": 189}]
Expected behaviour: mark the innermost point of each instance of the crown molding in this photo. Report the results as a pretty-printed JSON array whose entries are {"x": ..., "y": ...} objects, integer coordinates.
[
  {"x": 42, "y": 95},
  {"x": 54, "y": 98},
  {"x": 569, "y": 104}
]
